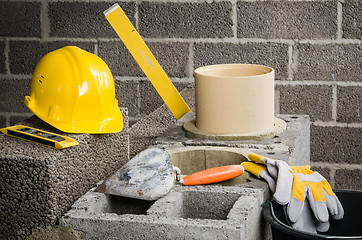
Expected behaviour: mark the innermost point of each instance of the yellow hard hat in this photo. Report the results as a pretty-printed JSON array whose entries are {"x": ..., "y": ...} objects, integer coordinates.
[{"x": 73, "y": 90}]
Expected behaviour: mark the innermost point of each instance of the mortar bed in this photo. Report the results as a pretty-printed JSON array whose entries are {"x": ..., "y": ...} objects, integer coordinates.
[{"x": 192, "y": 131}]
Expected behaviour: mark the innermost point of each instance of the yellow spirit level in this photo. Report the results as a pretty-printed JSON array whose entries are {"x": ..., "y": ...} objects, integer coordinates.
[
  {"x": 145, "y": 59},
  {"x": 38, "y": 136}
]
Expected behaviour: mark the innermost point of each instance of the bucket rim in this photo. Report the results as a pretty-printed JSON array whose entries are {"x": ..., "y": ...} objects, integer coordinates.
[{"x": 273, "y": 220}]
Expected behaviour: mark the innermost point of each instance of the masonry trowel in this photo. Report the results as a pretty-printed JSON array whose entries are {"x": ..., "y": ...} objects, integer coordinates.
[
  {"x": 147, "y": 176},
  {"x": 150, "y": 175}
]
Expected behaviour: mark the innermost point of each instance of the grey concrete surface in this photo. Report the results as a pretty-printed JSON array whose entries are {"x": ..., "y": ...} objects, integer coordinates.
[
  {"x": 283, "y": 19},
  {"x": 206, "y": 212},
  {"x": 144, "y": 132},
  {"x": 193, "y": 132},
  {"x": 25, "y": 55},
  {"x": 352, "y": 19},
  {"x": 348, "y": 179},
  {"x": 185, "y": 19},
  {"x": 2, "y": 58},
  {"x": 350, "y": 103},
  {"x": 67, "y": 19},
  {"x": 227, "y": 210},
  {"x": 291, "y": 146},
  {"x": 329, "y": 62},
  {"x": 39, "y": 184},
  {"x": 26, "y": 24},
  {"x": 149, "y": 97},
  {"x": 15, "y": 94},
  {"x": 271, "y": 54},
  {"x": 346, "y": 142},
  {"x": 299, "y": 99}
]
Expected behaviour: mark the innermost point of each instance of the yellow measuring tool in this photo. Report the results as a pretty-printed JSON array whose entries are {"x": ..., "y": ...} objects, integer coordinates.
[
  {"x": 145, "y": 59},
  {"x": 39, "y": 136}
]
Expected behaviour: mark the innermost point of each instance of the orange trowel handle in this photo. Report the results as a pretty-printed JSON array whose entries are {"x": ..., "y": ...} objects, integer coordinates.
[{"x": 214, "y": 175}]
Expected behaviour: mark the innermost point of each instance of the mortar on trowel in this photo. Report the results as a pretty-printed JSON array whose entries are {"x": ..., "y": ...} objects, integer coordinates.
[{"x": 150, "y": 175}]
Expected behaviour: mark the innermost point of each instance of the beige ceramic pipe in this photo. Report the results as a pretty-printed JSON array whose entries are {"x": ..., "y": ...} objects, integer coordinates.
[{"x": 234, "y": 98}]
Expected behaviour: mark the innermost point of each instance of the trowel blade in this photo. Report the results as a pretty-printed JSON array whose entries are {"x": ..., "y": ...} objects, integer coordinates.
[{"x": 147, "y": 176}]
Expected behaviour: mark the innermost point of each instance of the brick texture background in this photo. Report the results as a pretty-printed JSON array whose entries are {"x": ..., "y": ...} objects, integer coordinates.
[{"x": 314, "y": 47}]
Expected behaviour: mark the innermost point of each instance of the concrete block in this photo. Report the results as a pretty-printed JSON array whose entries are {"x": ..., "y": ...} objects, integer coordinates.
[
  {"x": 39, "y": 183},
  {"x": 173, "y": 57},
  {"x": 25, "y": 55},
  {"x": 12, "y": 95},
  {"x": 185, "y": 20},
  {"x": 2, "y": 121},
  {"x": 348, "y": 179},
  {"x": 323, "y": 171},
  {"x": 274, "y": 55},
  {"x": 289, "y": 20},
  {"x": 56, "y": 232},
  {"x": 328, "y": 62},
  {"x": 352, "y": 19},
  {"x": 349, "y": 104},
  {"x": 227, "y": 210},
  {"x": 127, "y": 93},
  {"x": 83, "y": 19},
  {"x": 313, "y": 100},
  {"x": 185, "y": 213},
  {"x": 291, "y": 146},
  {"x": 26, "y": 24},
  {"x": 346, "y": 144},
  {"x": 2, "y": 57},
  {"x": 16, "y": 120},
  {"x": 144, "y": 132},
  {"x": 119, "y": 59},
  {"x": 150, "y": 99}
]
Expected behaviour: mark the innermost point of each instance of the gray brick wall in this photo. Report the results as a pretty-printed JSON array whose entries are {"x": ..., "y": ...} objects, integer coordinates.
[
  {"x": 314, "y": 47},
  {"x": 2, "y": 58},
  {"x": 25, "y": 55},
  {"x": 83, "y": 20},
  {"x": 269, "y": 53},
  {"x": 328, "y": 62},
  {"x": 185, "y": 20},
  {"x": 13, "y": 92},
  {"x": 299, "y": 99},
  {"x": 287, "y": 19},
  {"x": 352, "y": 19},
  {"x": 349, "y": 104},
  {"x": 20, "y": 19}
]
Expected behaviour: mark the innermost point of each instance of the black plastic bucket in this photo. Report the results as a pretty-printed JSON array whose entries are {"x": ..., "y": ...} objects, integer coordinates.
[{"x": 350, "y": 227}]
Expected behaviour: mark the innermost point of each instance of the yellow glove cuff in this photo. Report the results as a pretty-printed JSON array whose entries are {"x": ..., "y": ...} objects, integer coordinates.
[
  {"x": 253, "y": 168},
  {"x": 256, "y": 158}
]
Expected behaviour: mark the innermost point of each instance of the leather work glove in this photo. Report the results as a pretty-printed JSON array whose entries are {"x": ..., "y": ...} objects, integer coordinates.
[
  {"x": 260, "y": 171},
  {"x": 296, "y": 184},
  {"x": 306, "y": 221}
]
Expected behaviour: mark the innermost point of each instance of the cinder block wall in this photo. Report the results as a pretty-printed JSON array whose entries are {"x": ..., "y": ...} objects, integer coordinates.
[{"x": 314, "y": 46}]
